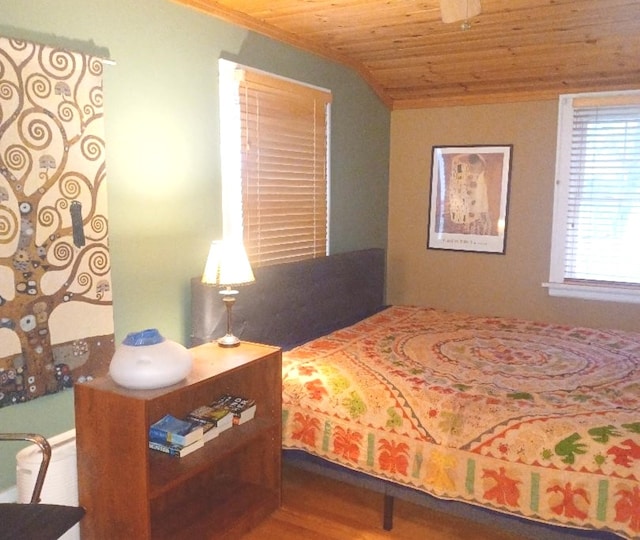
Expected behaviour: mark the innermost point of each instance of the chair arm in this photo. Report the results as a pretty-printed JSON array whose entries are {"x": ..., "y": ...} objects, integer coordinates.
[{"x": 46, "y": 457}]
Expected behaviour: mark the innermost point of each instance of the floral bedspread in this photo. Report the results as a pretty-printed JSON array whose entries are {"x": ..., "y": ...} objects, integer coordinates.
[{"x": 538, "y": 420}]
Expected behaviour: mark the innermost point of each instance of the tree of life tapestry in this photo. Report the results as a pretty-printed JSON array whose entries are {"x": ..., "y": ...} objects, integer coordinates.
[{"x": 56, "y": 314}]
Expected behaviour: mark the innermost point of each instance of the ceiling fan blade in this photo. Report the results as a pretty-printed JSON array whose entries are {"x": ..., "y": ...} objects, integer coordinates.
[{"x": 458, "y": 10}]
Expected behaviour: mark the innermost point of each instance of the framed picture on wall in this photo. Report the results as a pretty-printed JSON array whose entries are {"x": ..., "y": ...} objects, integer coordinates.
[{"x": 469, "y": 198}]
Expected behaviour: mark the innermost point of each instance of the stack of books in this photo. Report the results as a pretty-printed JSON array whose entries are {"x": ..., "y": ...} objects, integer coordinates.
[
  {"x": 241, "y": 408},
  {"x": 178, "y": 437},
  {"x": 214, "y": 420}
]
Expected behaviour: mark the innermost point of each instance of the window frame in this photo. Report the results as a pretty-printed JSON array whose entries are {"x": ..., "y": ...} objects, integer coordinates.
[{"x": 558, "y": 284}]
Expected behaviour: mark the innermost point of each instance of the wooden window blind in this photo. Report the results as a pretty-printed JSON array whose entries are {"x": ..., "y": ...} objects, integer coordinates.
[{"x": 284, "y": 172}]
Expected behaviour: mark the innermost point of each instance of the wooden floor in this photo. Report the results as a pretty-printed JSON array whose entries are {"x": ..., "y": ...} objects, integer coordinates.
[{"x": 318, "y": 508}]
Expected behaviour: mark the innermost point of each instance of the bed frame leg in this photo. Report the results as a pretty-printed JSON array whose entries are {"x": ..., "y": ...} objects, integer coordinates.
[{"x": 387, "y": 519}]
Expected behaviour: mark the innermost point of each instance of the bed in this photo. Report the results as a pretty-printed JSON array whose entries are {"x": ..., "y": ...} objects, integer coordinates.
[{"x": 534, "y": 422}]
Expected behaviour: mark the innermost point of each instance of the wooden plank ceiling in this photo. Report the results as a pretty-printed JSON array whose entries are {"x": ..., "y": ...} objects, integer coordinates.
[{"x": 514, "y": 50}]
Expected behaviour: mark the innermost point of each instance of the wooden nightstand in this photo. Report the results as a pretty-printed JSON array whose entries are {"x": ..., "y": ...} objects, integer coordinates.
[{"x": 219, "y": 491}]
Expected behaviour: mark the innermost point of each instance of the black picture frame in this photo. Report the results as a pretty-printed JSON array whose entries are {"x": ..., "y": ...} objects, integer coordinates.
[{"x": 469, "y": 198}]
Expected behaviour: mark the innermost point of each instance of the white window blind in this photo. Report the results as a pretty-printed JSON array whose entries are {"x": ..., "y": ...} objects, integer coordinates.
[
  {"x": 284, "y": 172},
  {"x": 597, "y": 206}
]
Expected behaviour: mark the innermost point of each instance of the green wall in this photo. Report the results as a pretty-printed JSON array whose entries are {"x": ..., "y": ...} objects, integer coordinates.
[{"x": 163, "y": 163}]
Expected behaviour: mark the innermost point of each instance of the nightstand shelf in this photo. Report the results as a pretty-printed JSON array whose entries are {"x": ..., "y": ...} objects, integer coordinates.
[
  {"x": 218, "y": 491},
  {"x": 225, "y": 513}
]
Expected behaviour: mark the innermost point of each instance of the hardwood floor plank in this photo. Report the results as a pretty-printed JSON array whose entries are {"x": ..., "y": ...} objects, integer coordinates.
[{"x": 318, "y": 508}]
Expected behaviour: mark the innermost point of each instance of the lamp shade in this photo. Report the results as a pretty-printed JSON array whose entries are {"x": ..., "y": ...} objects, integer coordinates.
[{"x": 227, "y": 264}]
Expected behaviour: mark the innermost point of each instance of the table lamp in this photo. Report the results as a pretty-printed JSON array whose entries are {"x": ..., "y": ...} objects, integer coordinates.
[{"x": 227, "y": 266}]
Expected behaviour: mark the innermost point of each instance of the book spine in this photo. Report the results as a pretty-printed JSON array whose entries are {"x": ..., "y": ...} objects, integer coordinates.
[
  {"x": 209, "y": 418},
  {"x": 154, "y": 445},
  {"x": 164, "y": 436}
]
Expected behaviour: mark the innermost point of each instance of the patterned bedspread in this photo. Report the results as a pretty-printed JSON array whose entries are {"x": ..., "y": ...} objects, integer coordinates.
[{"x": 538, "y": 420}]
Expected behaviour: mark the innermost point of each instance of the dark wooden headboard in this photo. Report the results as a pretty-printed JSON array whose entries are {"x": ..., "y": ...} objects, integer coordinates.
[{"x": 294, "y": 302}]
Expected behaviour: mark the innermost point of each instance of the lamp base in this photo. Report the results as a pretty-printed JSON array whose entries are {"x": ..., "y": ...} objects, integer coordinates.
[
  {"x": 229, "y": 298},
  {"x": 228, "y": 341}
]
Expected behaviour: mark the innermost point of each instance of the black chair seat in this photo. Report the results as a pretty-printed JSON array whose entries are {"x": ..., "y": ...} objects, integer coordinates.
[{"x": 37, "y": 521}]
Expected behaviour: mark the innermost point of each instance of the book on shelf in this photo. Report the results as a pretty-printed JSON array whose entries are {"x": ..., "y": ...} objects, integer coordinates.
[
  {"x": 175, "y": 431},
  {"x": 211, "y": 431},
  {"x": 220, "y": 418},
  {"x": 176, "y": 450},
  {"x": 241, "y": 408}
]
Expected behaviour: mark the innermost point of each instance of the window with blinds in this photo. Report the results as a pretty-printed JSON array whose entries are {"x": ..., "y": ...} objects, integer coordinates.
[
  {"x": 282, "y": 154},
  {"x": 597, "y": 197}
]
